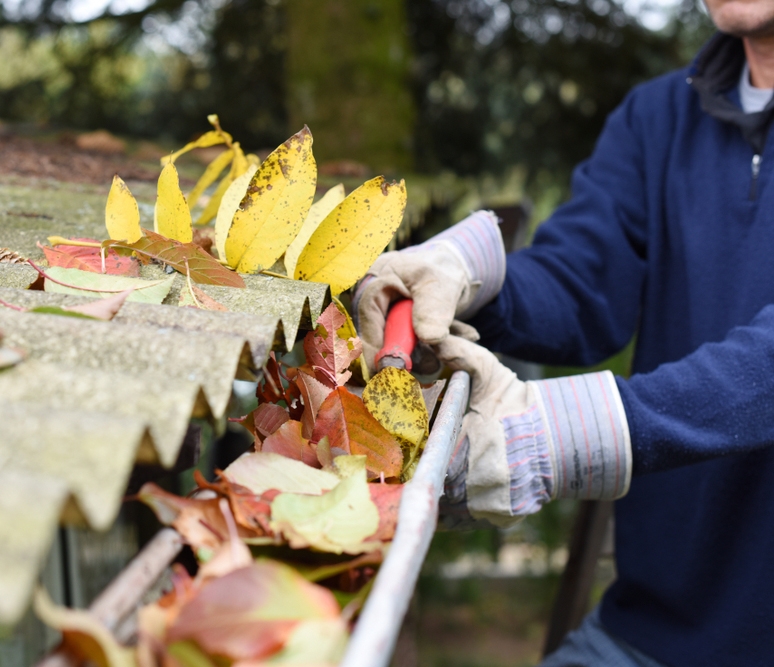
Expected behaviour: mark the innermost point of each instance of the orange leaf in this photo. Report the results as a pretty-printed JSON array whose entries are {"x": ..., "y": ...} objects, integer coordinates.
[
  {"x": 89, "y": 259},
  {"x": 386, "y": 497},
  {"x": 288, "y": 441},
  {"x": 343, "y": 418},
  {"x": 183, "y": 257}
]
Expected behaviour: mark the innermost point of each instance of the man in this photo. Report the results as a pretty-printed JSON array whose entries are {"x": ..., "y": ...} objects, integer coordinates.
[{"x": 669, "y": 235}]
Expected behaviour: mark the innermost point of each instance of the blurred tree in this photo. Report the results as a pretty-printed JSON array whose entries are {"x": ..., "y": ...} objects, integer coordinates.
[
  {"x": 531, "y": 81},
  {"x": 348, "y": 79},
  {"x": 155, "y": 71}
]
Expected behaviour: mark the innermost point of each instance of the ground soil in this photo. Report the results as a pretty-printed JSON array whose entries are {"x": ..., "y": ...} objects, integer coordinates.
[{"x": 60, "y": 159}]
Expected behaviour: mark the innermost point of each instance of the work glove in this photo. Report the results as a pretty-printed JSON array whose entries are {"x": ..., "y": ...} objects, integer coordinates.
[
  {"x": 525, "y": 443},
  {"x": 450, "y": 276}
]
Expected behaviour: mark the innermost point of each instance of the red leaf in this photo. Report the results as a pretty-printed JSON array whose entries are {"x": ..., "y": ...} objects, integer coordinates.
[
  {"x": 327, "y": 353},
  {"x": 314, "y": 393},
  {"x": 386, "y": 497},
  {"x": 288, "y": 441},
  {"x": 343, "y": 418},
  {"x": 183, "y": 257},
  {"x": 267, "y": 418},
  {"x": 89, "y": 259},
  {"x": 249, "y": 614}
]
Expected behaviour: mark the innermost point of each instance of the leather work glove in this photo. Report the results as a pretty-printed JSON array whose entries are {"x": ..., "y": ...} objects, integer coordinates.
[
  {"x": 525, "y": 443},
  {"x": 450, "y": 276}
]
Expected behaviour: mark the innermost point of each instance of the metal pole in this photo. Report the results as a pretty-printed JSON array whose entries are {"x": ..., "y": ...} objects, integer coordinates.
[{"x": 377, "y": 629}]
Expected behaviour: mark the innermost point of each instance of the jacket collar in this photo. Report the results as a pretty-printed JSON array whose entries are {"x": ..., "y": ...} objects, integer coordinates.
[{"x": 715, "y": 72}]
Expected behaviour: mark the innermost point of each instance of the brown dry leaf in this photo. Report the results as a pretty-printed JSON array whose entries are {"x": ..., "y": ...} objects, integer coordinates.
[
  {"x": 251, "y": 511},
  {"x": 345, "y": 421},
  {"x": 288, "y": 441},
  {"x": 187, "y": 258},
  {"x": 90, "y": 259},
  {"x": 327, "y": 353},
  {"x": 250, "y": 613},
  {"x": 102, "y": 309},
  {"x": 200, "y": 522},
  {"x": 193, "y": 297},
  {"x": 9, "y": 256}
]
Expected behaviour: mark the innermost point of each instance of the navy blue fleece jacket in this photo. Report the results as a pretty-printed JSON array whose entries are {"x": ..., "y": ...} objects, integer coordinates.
[{"x": 669, "y": 237}]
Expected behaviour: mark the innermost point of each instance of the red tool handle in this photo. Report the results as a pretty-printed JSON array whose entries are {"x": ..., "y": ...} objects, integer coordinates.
[{"x": 399, "y": 337}]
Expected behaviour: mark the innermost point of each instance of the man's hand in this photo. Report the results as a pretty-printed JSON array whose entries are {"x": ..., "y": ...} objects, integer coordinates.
[
  {"x": 525, "y": 443},
  {"x": 452, "y": 275}
]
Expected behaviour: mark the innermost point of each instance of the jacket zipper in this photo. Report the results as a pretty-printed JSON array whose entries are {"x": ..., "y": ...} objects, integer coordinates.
[{"x": 756, "y": 169}]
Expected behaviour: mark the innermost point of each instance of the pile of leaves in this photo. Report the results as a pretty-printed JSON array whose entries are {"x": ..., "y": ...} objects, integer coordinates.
[
  {"x": 289, "y": 536},
  {"x": 259, "y": 218}
]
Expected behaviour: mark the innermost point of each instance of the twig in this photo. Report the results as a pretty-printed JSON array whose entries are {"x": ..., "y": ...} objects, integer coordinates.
[{"x": 12, "y": 307}]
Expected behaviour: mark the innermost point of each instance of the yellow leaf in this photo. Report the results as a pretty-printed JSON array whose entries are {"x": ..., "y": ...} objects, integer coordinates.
[
  {"x": 347, "y": 242},
  {"x": 317, "y": 213},
  {"x": 238, "y": 167},
  {"x": 172, "y": 218},
  {"x": 122, "y": 217},
  {"x": 278, "y": 198},
  {"x": 211, "y": 138},
  {"x": 83, "y": 636},
  {"x": 209, "y": 176},
  {"x": 240, "y": 162},
  {"x": 394, "y": 398},
  {"x": 229, "y": 204}
]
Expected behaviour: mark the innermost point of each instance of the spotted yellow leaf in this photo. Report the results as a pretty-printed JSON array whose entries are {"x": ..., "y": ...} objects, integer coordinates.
[
  {"x": 277, "y": 201},
  {"x": 172, "y": 217},
  {"x": 317, "y": 213},
  {"x": 347, "y": 242},
  {"x": 122, "y": 217},
  {"x": 394, "y": 397},
  {"x": 229, "y": 203}
]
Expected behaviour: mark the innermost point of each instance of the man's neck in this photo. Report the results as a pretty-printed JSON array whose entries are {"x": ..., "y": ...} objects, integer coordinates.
[{"x": 760, "y": 58}]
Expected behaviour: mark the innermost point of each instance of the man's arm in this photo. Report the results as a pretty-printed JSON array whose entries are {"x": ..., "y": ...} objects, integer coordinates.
[{"x": 718, "y": 400}]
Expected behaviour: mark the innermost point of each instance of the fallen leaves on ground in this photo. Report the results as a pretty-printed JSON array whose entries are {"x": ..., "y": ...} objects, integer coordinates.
[
  {"x": 74, "y": 281},
  {"x": 172, "y": 217},
  {"x": 122, "y": 215},
  {"x": 187, "y": 258},
  {"x": 86, "y": 258}
]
